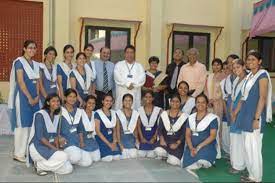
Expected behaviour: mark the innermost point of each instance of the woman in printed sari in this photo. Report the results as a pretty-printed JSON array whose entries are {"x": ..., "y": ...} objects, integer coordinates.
[{"x": 153, "y": 75}]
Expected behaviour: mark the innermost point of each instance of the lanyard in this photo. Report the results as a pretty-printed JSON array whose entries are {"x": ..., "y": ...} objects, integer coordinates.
[
  {"x": 245, "y": 83},
  {"x": 171, "y": 126},
  {"x": 51, "y": 73},
  {"x": 71, "y": 118},
  {"x": 128, "y": 122},
  {"x": 129, "y": 69}
]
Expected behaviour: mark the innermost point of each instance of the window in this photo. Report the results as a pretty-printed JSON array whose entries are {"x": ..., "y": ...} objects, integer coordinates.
[
  {"x": 187, "y": 40},
  {"x": 266, "y": 46},
  {"x": 25, "y": 22},
  {"x": 115, "y": 38}
]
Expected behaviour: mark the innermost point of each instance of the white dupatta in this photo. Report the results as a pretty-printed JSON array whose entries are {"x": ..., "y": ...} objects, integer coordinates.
[
  {"x": 189, "y": 105},
  {"x": 236, "y": 89},
  {"x": 50, "y": 76},
  {"x": 89, "y": 124},
  {"x": 203, "y": 124},
  {"x": 249, "y": 83},
  {"x": 124, "y": 122},
  {"x": 177, "y": 125},
  {"x": 153, "y": 118},
  {"x": 108, "y": 123},
  {"x": 31, "y": 73},
  {"x": 67, "y": 116},
  {"x": 84, "y": 85},
  {"x": 66, "y": 69}
]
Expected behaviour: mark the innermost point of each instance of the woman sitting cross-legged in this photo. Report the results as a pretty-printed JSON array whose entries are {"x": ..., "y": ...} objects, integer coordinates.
[
  {"x": 105, "y": 127},
  {"x": 69, "y": 130},
  {"x": 201, "y": 131},
  {"x": 87, "y": 129},
  {"x": 148, "y": 125},
  {"x": 43, "y": 142},
  {"x": 126, "y": 128},
  {"x": 171, "y": 132}
]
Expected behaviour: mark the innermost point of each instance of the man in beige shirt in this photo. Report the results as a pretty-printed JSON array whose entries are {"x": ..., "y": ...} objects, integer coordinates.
[{"x": 194, "y": 72}]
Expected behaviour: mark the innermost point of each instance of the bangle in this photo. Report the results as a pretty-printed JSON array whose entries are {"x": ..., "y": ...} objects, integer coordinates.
[{"x": 198, "y": 148}]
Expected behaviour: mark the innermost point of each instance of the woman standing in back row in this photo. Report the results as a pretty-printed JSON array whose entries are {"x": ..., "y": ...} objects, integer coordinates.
[{"x": 23, "y": 97}]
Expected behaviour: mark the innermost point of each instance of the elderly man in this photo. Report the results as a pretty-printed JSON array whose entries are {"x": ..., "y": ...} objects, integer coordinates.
[
  {"x": 104, "y": 82},
  {"x": 194, "y": 72},
  {"x": 129, "y": 78}
]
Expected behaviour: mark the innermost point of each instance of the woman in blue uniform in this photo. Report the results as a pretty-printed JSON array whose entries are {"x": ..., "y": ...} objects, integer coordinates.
[
  {"x": 126, "y": 128},
  {"x": 81, "y": 79},
  {"x": 87, "y": 129},
  {"x": 226, "y": 87},
  {"x": 201, "y": 133},
  {"x": 171, "y": 132},
  {"x": 64, "y": 69},
  {"x": 43, "y": 141},
  {"x": 70, "y": 120},
  {"x": 236, "y": 143},
  {"x": 105, "y": 127},
  {"x": 48, "y": 74},
  {"x": 187, "y": 102},
  {"x": 23, "y": 98},
  {"x": 147, "y": 126},
  {"x": 255, "y": 111}
]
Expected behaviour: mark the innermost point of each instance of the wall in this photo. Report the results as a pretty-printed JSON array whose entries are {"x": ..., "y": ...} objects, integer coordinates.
[{"x": 156, "y": 16}]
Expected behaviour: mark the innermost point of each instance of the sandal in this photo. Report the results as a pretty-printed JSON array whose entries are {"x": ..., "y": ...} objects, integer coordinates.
[
  {"x": 19, "y": 159},
  {"x": 246, "y": 179},
  {"x": 234, "y": 171}
]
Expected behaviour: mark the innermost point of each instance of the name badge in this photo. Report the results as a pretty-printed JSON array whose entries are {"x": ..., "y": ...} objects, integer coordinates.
[
  {"x": 195, "y": 134},
  {"x": 127, "y": 132},
  {"x": 110, "y": 132},
  {"x": 130, "y": 76},
  {"x": 73, "y": 129},
  {"x": 90, "y": 135},
  {"x": 170, "y": 133},
  {"x": 34, "y": 81},
  {"x": 51, "y": 140},
  {"x": 86, "y": 92},
  {"x": 148, "y": 129},
  {"x": 53, "y": 86}
]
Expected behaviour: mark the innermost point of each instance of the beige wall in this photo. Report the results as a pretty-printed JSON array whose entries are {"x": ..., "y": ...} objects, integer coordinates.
[{"x": 156, "y": 16}]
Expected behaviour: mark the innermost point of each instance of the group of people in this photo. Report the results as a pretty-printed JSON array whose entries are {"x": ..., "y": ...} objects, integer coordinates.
[{"x": 79, "y": 113}]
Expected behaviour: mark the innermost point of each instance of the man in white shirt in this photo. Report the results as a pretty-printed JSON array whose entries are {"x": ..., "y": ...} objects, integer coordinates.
[{"x": 129, "y": 78}]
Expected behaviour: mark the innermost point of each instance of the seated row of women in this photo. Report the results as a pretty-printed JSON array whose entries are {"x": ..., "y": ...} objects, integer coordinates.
[{"x": 63, "y": 136}]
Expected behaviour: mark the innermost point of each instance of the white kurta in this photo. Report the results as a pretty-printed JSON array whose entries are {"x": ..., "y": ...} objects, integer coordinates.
[{"x": 124, "y": 75}]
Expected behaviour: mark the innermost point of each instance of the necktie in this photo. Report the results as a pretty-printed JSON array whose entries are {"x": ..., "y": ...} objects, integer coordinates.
[
  {"x": 105, "y": 79},
  {"x": 174, "y": 78}
]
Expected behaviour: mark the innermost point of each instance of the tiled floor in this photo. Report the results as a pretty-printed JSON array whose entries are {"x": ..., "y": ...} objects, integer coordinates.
[{"x": 142, "y": 170}]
